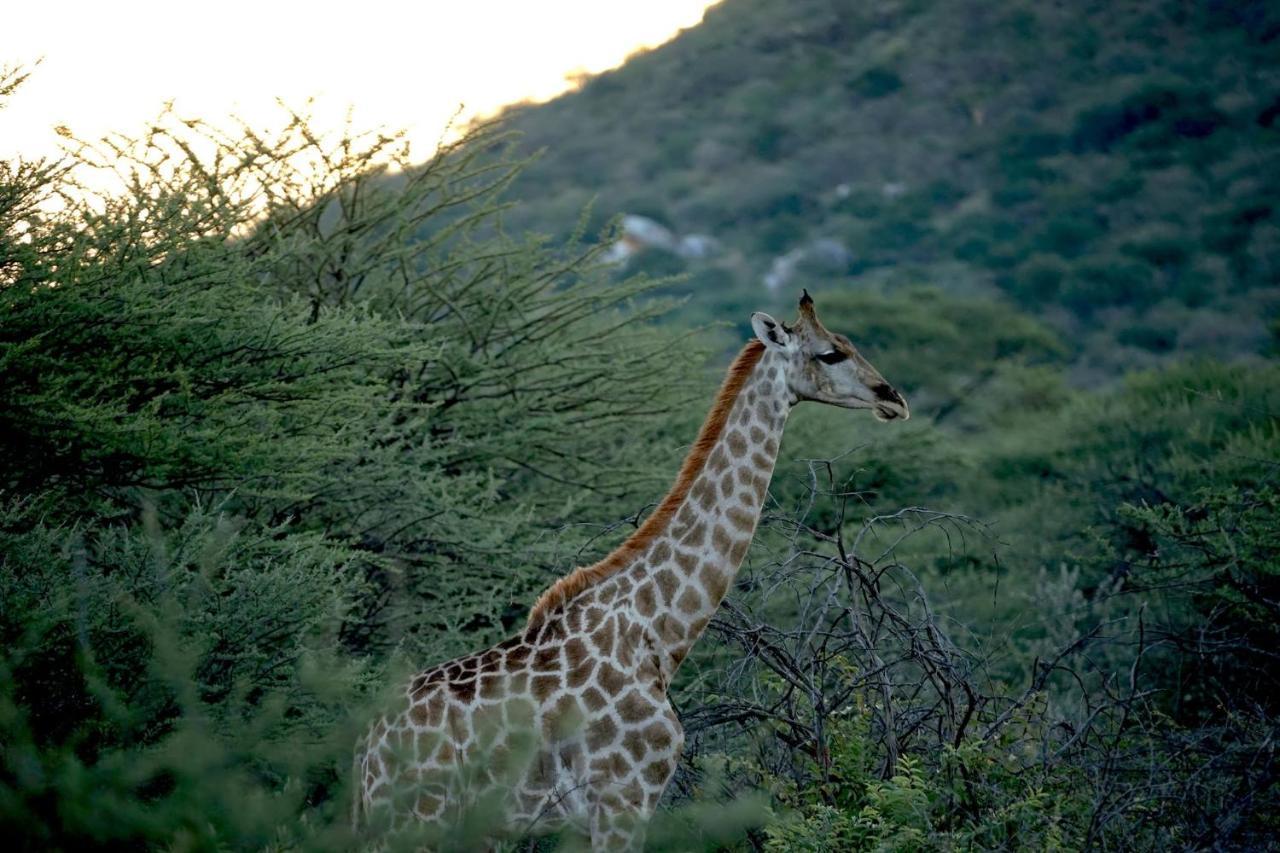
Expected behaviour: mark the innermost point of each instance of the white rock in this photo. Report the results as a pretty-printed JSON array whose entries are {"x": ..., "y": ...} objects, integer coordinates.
[
  {"x": 829, "y": 252},
  {"x": 698, "y": 246},
  {"x": 648, "y": 233}
]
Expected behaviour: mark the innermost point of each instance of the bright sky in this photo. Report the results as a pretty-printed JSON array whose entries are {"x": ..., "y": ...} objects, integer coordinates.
[{"x": 109, "y": 65}]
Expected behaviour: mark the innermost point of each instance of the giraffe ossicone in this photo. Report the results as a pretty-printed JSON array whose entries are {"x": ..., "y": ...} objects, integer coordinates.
[{"x": 568, "y": 724}]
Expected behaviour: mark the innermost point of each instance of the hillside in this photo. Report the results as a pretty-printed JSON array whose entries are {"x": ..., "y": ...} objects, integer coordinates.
[{"x": 1112, "y": 167}]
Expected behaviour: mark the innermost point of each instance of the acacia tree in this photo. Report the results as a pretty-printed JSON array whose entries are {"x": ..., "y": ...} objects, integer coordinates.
[{"x": 282, "y": 405}]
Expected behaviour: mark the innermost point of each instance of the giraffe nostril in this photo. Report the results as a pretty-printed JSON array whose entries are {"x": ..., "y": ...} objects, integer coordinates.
[{"x": 884, "y": 391}]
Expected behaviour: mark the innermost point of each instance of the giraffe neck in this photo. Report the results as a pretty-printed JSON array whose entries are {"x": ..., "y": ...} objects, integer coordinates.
[{"x": 685, "y": 572}]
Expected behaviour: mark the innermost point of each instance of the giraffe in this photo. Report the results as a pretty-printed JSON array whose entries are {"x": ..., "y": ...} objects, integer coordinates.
[{"x": 568, "y": 724}]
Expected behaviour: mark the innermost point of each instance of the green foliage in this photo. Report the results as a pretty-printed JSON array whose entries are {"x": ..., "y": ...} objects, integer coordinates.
[
  {"x": 1137, "y": 531},
  {"x": 1039, "y": 278},
  {"x": 1098, "y": 281},
  {"x": 271, "y": 434},
  {"x": 170, "y": 686},
  {"x": 1221, "y": 546},
  {"x": 1171, "y": 109},
  {"x": 876, "y": 83},
  {"x": 311, "y": 361},
  {"x": 264, "y": 427},
  {"x": 919, "y": 808}
]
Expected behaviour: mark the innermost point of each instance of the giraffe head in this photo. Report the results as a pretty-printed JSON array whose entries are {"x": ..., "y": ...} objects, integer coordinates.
[{"x": 826, "y": 367}]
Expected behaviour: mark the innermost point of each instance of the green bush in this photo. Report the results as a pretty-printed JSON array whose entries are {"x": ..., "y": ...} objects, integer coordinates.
[
  {"x": 172, "y": 686},
  {"x": 1069, "y": 233},
  {"x": 1100, "y": 280},
  {"x": 1101, "y": 128},
  {"x": 1039, "y": 278},
  {"x": 923, "y": 807},
  {"x": 262, "y": 428},
  {"x": 876, "y": 82}
]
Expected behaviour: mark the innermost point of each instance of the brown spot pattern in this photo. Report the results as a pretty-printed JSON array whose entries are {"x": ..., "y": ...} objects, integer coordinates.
[
  {"x": 600, "y": 733},
  {"x": 690, "y": 601},
  {"x": 610, "y": 678},
  {"x": 544, "y": 685},
  {"x": 634, "y": 708},
  {"x": 720, "y": 539}
]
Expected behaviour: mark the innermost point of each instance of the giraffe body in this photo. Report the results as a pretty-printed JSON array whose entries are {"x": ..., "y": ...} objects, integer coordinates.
[{"x": 568, "y": 725}]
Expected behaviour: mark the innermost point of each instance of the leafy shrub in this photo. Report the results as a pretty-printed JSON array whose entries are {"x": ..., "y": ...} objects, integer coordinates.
[
  {"x": 920, "y": 808},
  {"x": 1148, "y": 337},
  {"x": 1102, "y": 127},
  {"x": 260, "y": 426},
  {"x": 1097, "y": 281},
  {"x": 876, "y": 82},
  {"x": 1160, "y": 246},
  {"x": 781, "y": 234},
  {"x": 768, "y": 141},
  {"x": 1038, "y": 279},
  {"x": 1070, "y": 233}
]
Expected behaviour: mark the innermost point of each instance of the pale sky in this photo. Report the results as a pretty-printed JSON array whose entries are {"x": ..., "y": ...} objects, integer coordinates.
[{"x": 109, "y": 65}]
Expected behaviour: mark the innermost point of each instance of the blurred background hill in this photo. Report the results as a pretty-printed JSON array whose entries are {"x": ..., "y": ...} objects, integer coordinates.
[{"x": 1109, "y": 167}]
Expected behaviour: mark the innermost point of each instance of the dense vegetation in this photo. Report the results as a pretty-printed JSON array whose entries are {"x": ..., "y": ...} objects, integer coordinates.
[
  {"x": 260, "y": 441},
  {"x": 273, "y": 433}
]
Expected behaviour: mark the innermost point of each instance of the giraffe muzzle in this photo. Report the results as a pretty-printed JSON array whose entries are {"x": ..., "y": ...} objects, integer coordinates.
[{"x": 890, "y": 405}]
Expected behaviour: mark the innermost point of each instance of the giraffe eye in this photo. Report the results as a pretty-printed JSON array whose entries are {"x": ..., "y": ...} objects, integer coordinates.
[{"x": 833, "y": 357}]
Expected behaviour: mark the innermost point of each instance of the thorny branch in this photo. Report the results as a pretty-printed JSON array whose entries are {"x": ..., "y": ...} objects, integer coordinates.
[{"x": 829, "y": 621}]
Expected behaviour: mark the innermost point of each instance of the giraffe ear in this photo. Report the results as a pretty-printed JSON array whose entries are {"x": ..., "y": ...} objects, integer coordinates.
[{"x": 771, "y": 333}]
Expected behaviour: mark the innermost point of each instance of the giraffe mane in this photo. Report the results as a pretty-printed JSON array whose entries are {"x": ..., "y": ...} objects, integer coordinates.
[{"x": 583, "y": 577}]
